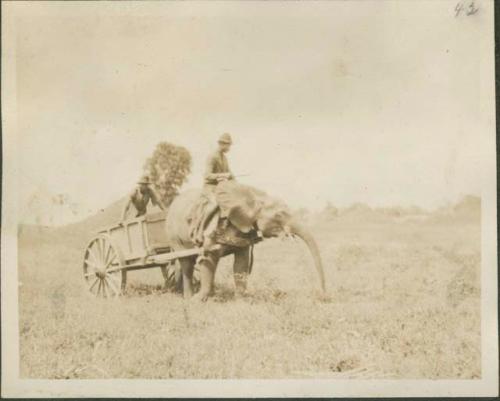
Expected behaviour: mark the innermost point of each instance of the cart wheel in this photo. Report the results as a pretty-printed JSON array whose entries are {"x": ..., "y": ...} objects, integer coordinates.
[
  {"x": 170, "y": 273},
  {"x": 103, "y": 268}
]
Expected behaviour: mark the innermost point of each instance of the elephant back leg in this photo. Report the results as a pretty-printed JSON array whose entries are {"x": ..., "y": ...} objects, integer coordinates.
[
  {"x": 186, "y": 278},
  {"x": 178, "y": 278},
  {"x": 207, "y": 266}
]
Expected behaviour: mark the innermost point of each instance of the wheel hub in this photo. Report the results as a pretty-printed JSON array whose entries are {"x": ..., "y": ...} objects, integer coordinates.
[{"x": 100, "y": 273}]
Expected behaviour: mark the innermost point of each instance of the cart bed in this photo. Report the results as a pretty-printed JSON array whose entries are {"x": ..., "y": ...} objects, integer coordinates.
[{"x": 140, "y": 237}]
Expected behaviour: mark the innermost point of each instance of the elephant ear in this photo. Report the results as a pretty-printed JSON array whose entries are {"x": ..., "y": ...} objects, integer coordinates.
[
  {"x": 274, "y": 212},
  {"x": 239, "y": 203}
]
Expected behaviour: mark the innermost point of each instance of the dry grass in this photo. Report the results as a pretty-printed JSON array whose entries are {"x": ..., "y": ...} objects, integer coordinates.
[{"x": 404, "y": 303}]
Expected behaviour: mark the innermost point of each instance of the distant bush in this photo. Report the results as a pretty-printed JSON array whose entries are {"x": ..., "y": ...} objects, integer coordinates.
[
  {"x": 301, "y": 213},
  {"x": 394, "y": 211},
  {"x": 331, "y": 210},
  {"x": 469, "y": 204},
  {"x": 358, "y": 207},
  {"x": 168, "y": 169},
  {"x": 467, "y": 209}
]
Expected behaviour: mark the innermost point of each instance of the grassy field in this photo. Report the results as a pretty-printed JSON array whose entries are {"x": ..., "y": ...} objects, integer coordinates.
[{"x": 404, "y": 302}]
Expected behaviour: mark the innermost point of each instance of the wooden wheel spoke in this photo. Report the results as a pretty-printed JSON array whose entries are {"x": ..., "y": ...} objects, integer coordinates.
[
  {"x": 170, "y": 277},
  {"x": 100, "y": 245},
  {"x": 104, "y": 286},
  {"x": 103, "y": 289},
  {"x": 105, "y": 250},
  {"x": 111, "y": 261},
  {"x": 99, "y": 288},
  {"x": 91, "y": 253},
  {"x": 112, "y": 284},
  {"x": 108, "y": 252},
  {"x": 94, "y": 283},
  {"x": 89, "y": 263},
  {"x": 114, "y": 269}
]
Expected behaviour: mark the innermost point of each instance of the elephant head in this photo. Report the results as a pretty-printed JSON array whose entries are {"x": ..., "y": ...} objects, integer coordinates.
[
  {"x": 249, "y": 208},
  {"x": 274, "y": 219}
]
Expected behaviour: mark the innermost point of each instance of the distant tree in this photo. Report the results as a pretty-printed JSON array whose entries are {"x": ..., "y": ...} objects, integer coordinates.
[
  {"x": 168, "y": 169},
  {"x": 414, "y": 210},
  {"x": 302, "y": 213},
  {"x": 359, "y": 207},
  {"x": 331, "y": 210},
  {"x": 392, "y": 211}
]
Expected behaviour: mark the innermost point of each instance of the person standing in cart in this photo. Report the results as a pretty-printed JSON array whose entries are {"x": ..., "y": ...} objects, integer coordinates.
[{"x": 140, "y": 197}]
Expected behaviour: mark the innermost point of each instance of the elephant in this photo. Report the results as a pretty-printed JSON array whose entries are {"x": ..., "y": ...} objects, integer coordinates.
[{"x": 272, "y": 219}]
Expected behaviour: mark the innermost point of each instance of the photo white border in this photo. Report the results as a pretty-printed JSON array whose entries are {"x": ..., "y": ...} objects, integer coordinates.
[{"x": 13, "y": 386}]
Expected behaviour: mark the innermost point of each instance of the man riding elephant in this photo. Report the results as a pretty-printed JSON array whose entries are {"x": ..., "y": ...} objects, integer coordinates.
[
  {"x": 217, "y": 169},
  {"x": 216, "y": 204},
  {"x": 233, "y": 216}
]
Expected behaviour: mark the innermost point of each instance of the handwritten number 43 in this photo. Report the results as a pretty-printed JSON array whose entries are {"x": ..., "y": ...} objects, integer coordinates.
[{"x": 469, "y": 8}]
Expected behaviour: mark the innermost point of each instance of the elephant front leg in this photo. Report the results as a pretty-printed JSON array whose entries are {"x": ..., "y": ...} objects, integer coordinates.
[
  {"x": 207, "y": 266},
  {"x": 241, "y": 269}
]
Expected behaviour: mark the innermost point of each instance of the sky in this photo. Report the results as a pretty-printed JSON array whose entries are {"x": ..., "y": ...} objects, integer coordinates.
[{"x": 341, "y": 102}]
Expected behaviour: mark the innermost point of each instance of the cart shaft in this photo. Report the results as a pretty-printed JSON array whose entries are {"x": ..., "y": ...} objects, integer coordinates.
[{"x": 166, "y": 257}]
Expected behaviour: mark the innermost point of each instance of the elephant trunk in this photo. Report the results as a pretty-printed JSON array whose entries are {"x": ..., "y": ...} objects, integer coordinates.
[{"x": 303, "y": 233}]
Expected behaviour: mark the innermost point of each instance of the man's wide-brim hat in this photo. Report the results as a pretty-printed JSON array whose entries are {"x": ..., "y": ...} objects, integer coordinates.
[
  {"x": 225, "y": 138},
  {"x": 144, "y": 180}
]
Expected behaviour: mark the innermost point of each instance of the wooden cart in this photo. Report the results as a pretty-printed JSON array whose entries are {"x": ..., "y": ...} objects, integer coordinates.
[{"x": 135, "y": 244}]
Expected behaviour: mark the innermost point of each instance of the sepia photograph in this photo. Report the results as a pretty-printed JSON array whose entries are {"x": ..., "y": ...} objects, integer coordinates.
[{"x": 249, "y": 199}]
